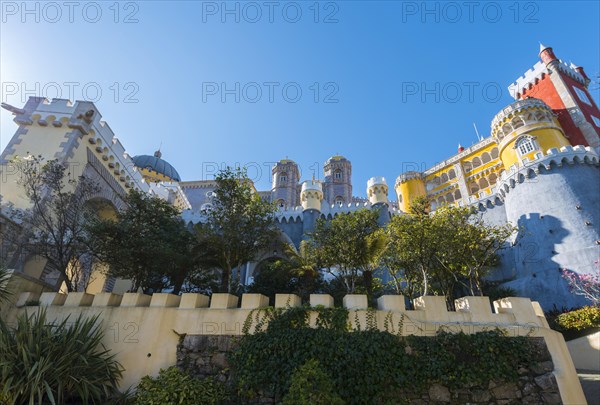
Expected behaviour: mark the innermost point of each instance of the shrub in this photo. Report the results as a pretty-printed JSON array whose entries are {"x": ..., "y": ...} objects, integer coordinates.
[
  {"x": 310, "y": 385},
  {"x": 57, "y": 362},
  {"x": 173, "y": 386},
  {"x": 580, "y": 319},
  {"x": 368, "y": 365}
]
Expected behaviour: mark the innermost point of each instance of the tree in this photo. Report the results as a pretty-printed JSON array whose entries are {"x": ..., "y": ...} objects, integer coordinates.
[
  {"x": 349, "y": 246},
  {"x": 237, "y": 226},
  {"x": 448, "y": 248},
  {"x": 54, "y": 225},
  {"x": 409, "y": 257},
  {"x": 296, "y": 273},
  {"x": 147, "y": 243}
]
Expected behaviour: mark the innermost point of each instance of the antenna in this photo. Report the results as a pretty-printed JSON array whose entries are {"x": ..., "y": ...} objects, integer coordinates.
[{"x": 479, "y": 138}]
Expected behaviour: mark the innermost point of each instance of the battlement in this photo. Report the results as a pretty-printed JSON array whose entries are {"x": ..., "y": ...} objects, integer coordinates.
[
  {"x": 509, "y": 312},
  {"x": 515, "y": 108},
  {"x": 537, "y": 72},
  {"x": 553, "y": 158}
]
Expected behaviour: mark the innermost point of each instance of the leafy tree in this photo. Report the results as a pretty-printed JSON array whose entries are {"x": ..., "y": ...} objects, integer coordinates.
[
  {"x": 349, "y": 246},
  {"x": 296, "y": 273},
  {"x": 147, "y": 243},
  {"x": 238, "y": 225},
  {"x": 450, "y": 248},
  {"x": 54, "y": 225}
]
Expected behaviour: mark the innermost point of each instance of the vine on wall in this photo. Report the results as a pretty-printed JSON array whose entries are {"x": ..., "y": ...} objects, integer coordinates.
[{"x": 365, "y": 364}]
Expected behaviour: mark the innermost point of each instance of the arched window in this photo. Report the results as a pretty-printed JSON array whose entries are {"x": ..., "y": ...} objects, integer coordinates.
[
  {"x": 444, "y": 177},
  {"x": 337, "y": 174},
  {"x": 476, "y": 162},
  {"x": 283, "y": 178},
  {"x": 451, "y": 174},
  {"x": 495, "y": 153},
  {"x": 474, "y": 187},
  {"x": 483, "y": 183},
  {"x": 457, "y": 195},
  {"x": 485, "y": 158},
  {"x": 525, "y": 145},
  {"x": 493, "y": 178},
  {"x": 449, "y": 198},
  {"x": 467, "y": 166},
  {"x": 339, "y": 201},
  {"x": 280, "y": 203}
]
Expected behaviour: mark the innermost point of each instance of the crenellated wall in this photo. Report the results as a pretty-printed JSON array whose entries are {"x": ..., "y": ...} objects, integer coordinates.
[{"x": 144, "y": 330}]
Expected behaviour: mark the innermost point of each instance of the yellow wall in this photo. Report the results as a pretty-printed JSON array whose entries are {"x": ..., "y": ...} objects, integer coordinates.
[
  {"x": 140, "y": 329},
  {"x": 407, "y": 191},
  {"x": 546, "y": 138}
]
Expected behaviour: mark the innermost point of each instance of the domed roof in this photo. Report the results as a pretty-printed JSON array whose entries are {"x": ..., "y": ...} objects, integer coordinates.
[{"x": 155, "y": 163}]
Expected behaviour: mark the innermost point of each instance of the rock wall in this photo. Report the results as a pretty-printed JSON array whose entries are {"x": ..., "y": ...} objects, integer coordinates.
[{"x": 206, "y": 357}]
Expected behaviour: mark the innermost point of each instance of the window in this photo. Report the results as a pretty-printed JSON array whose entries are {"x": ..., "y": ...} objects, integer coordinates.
[
  {"x": 337, "y": 175},
  {"x": 283, "y": 178},
  {"x": 280, "y": 204},
  {"x": 339, "y": 201},
  {"x": 596, "y": 121},
  {"x": 525, "y": 145},
  {"x": 582, "y": 96}
]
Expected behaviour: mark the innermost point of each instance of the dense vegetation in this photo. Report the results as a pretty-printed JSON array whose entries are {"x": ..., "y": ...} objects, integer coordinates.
[
  {"x": 366, "y": 365},
  {"x": 55, "y": 362}
]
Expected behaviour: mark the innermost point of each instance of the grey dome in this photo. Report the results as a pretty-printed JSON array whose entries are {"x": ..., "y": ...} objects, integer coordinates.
[{"x": 155, "y": 163}]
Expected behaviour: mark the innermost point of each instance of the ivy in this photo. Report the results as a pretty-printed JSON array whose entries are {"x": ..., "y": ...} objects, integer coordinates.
[{"x": 367, "y": 365}]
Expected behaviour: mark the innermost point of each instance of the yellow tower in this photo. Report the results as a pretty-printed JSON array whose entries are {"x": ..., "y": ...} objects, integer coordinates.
[
  {"x": 409, "y": 186},
  {"x": 525, "y": 130},
  {"x": 311, "y": 195},
  {"x": 377, "y": 190}
]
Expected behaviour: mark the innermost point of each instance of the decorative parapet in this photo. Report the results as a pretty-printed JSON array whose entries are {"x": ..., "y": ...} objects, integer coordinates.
[
  {"x": 536, "y": 73},
  {"x": 553, "y": 157},
  {"x": 514, "y": 108},
  {"x": 139, "y": 328},
  {"x": 508, "y": 311}
]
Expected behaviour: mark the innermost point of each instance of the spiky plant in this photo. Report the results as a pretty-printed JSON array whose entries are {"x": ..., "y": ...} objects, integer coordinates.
[
  {"x": 5, "y": 292},
  {"x": 55, "y": 362}
]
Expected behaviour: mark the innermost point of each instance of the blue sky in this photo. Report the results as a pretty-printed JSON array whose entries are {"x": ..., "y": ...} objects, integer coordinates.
[{"x": 400, "y": 84}]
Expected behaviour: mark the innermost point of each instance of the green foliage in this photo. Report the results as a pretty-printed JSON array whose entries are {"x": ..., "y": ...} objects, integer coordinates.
[
  {"x": 580, "y": 319},
  {"x": 54, "y": 226},
  {"x": 58, "y": 362},
  {"x": 443, "y": 252},
  {"x": 499, "y": 292},
  {"x": 310, "y": 385},
  {"x": 350, "y": 246},
  {"x": 5, "y": 291},
  {"x": 174, "y": 387},
  {"x": 238, "y": 225},
  {"x": 369, "y": 365},
  {"x": 148, "y": 243}
]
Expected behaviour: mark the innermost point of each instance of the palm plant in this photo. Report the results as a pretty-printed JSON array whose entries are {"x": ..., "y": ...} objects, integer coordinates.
[
  {"x": 58, "y": 362},
  {"x": 5, "y": 292}
]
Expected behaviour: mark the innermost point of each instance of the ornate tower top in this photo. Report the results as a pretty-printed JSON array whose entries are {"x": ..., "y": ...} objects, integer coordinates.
[
  {"x": 311, "y": 195},
  {"x": 377, "y": 190}
]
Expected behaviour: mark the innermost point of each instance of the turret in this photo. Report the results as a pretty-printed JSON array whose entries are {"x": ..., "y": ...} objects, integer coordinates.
[
  {"x": 525, "y": 129},
  {"x": 547, "y": 54},
  {"x": 285, "y": 175},
  {"x": 377, "y": 190},
  {"x": 311, "y": 197},
  {"x": 409, "y": 186},
  {"x": 337, "y": 186}
]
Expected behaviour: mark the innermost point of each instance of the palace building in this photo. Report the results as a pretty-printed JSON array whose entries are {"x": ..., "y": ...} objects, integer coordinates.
[{"x": 538, "y": 169}]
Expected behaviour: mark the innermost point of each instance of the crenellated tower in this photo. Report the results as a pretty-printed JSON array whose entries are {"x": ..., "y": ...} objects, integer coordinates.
[
  {"x": 337, "y": 186},
  {"x": 284, "y": 191},
  {"x": 312, "y": 197},
  {"x": 564, "y": 88},
  {"x": 377, "y": 191},
  {"x": 409, "y": 186},
  {"x": 550, "y": 191}
]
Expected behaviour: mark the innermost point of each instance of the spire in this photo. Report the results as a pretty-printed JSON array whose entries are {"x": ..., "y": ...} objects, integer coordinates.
[
  {"x": 542, "y": 47},
  {"x": 158, "y": 154}
]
